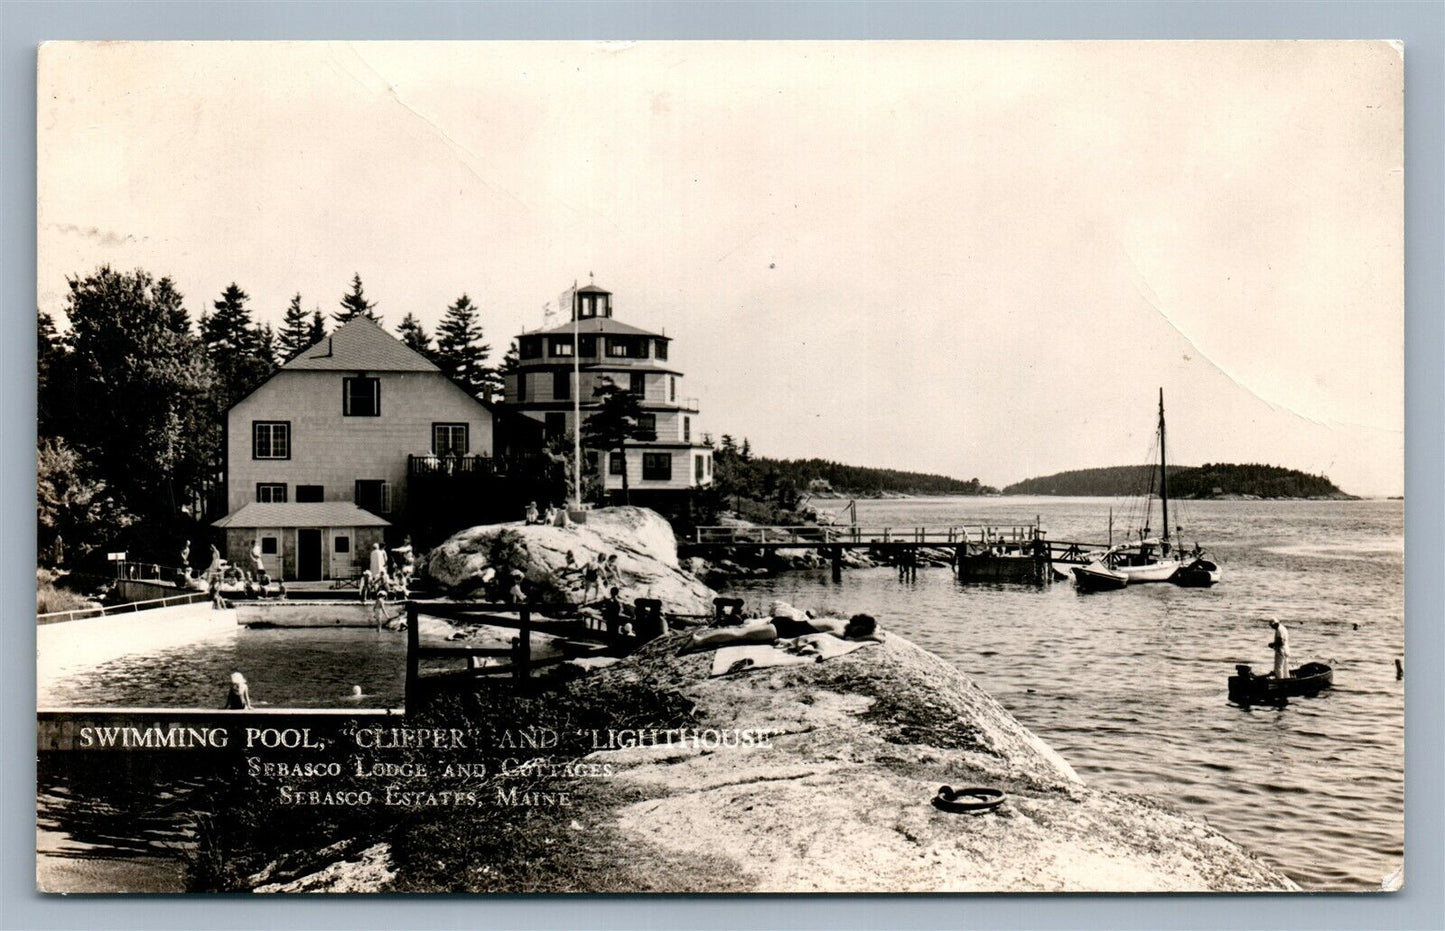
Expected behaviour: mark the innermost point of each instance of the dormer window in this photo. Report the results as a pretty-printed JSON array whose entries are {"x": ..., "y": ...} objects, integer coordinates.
[{"x": 361, "y": 396}]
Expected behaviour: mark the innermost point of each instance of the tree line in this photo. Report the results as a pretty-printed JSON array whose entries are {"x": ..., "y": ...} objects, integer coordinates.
[
  {"x": 132, "y": 397},
  {"x": 1206, "y": 481},
  {"x": 769, "y": 490}
]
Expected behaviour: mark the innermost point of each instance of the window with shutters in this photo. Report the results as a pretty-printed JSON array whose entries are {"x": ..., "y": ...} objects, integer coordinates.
[{"x": 361, "y": 396}]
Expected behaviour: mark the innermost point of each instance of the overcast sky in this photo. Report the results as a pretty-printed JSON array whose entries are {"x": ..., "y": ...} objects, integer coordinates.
[{"x": 980, "y": 259}]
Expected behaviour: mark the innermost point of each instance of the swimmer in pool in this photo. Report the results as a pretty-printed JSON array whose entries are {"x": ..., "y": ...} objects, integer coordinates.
[{"x": 239, "y": 696}]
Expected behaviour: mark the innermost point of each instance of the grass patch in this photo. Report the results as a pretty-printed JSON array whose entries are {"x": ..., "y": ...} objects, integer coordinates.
[{"x": 50, "y": 599}]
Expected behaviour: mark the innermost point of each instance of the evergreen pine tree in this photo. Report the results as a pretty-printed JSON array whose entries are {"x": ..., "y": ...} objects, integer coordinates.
[
  {"x": 354, "y": 304},
  {"x": 318, "y": 328},
  {"x": 616, "y": 422},
  {"x": 266, "y": 346},
  {"x": 233, "y": 343},
  {"x": 460, "y": 351},
  {"x": 410, "y": 331},
  {"x": 295, "y": 333}
]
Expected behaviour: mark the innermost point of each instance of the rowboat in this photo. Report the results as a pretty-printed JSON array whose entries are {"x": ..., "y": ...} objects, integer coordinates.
[
  {"x": 1200, "y": 573},
  {"x": 1309, "y": 679}
]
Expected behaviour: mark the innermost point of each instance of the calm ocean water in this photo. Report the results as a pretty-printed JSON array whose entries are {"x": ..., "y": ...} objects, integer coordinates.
[{"x": 1130, "y": 686}]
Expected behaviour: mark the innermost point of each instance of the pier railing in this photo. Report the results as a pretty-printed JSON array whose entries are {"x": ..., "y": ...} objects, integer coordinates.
[
  {"x": 860, "y": 534},
  {"x": 129, "y": 607}
]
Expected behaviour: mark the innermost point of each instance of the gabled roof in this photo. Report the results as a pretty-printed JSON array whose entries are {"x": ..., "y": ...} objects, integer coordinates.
[
  {"x": 360, "y": 345},
  {"x": 256, "y": 516},
  {"x": 590, "y": 326}
]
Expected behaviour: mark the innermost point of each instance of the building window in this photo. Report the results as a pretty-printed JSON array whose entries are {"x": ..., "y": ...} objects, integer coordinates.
[
  {"x": 562, "y": 346},
  {"x": 561, "y": 386},
  {"x": 271, "y": 492},
  {"x": 449, "y": 439},
  {"x": 647, "y": 423},
  {"x": 657, "y": 466},
  {"x": 361, "y": 396},
  {"x": 660, "y": 349},
  {"x": 270, "y": 439},
  {"x": 590, "y": 456},
  {"x": 529, "y": 347},
  {"x": 341, "y": 543},
  {"x": 310, "y": 494},
  {"x": 614, "y": 463},
  {"x": 672, "y": 389},
  {"x": 587, "y": 347},
  {"x": 619, "y": 347},
  {"x": 697, "y": 469},
  {"x": 373, "y": 495},
  {"x": 268, "y": 546},
  {"x": 687, "y": 429},
  {"x": 637, "y": 383},
  {"x": 556, "y": 425}
]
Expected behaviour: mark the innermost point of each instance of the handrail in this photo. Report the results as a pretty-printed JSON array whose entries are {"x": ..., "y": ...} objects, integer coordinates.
[
  {"x": 861, "y": 533},
  {"x": 129, "y": 607}
]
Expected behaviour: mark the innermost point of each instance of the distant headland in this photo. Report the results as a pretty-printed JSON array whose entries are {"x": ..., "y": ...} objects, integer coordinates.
[{"x": 1213, "y": 480}]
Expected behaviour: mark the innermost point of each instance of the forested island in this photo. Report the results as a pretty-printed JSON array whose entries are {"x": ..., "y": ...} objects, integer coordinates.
[{"x": 1212, "y": 480}]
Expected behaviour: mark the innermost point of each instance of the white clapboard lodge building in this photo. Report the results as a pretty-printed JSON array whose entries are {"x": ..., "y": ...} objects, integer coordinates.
[
  {"x": 566, "y": 364},
  {"x": 343, "y": 442}
]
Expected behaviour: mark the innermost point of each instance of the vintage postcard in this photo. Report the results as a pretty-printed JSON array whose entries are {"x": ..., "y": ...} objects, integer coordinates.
[{"x": 720, "y": 467}]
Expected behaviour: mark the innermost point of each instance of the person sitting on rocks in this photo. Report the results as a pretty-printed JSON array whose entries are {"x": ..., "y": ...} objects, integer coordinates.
[{"x": 770, "y": 630}]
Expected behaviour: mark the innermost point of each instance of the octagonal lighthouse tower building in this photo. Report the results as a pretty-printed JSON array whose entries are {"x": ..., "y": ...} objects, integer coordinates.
[{"x": 561, "y": 367}]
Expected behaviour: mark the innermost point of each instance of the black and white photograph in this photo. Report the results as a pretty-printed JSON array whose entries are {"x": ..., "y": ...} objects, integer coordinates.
[{"x": 450, "y": 455}]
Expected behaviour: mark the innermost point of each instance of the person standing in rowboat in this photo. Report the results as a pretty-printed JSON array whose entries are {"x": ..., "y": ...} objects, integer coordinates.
[{"x": 1280, "y": 645}]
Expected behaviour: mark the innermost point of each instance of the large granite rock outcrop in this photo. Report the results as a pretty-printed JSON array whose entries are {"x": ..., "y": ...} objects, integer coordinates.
[
  {"x": 642, "y": 540},
  {"x": 840, "y": 801}
]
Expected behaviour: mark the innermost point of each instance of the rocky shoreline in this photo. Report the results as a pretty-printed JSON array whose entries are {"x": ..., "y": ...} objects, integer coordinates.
[{"x": 836, "y": 795}]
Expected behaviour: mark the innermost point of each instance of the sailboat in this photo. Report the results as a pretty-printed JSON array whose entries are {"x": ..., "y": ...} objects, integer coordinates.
[{"x": 1150, "y": 559}]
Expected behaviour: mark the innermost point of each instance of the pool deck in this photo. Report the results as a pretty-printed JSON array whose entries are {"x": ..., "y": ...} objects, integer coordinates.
[{"x": 63, "y": 649}]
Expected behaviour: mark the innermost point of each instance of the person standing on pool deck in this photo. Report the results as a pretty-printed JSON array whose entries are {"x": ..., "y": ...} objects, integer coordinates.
[{"x": 1280, "y": 645}]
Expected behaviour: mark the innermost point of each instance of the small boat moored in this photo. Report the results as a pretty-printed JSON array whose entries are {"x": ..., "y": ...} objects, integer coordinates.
[
  {"x": 1199, "y": 573},
  {"x": 1097, "y": 577},
  {"x": 1247, "y": 688}
]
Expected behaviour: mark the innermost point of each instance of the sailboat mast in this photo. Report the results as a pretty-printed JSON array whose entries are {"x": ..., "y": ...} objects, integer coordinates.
[{"x": 1163, "y": 470}]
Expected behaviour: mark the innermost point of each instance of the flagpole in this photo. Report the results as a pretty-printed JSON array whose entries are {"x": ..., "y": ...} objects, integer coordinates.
[{"x": 576, "y": 404}]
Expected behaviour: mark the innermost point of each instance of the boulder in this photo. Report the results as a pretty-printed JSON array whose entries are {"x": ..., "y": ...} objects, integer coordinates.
[{"x": 642, "y": 540}]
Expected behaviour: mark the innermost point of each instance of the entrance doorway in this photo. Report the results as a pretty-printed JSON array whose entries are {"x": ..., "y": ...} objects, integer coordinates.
[{"x": 308, "y": 555}]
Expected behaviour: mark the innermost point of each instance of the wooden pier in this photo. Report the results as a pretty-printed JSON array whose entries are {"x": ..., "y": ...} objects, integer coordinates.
[{"x": 967, "y": 543}]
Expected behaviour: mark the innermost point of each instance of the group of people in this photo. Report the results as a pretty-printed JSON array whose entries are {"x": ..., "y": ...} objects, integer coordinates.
[
  {"x": 554, "y": 516},
  {"x": 593, "y": 576},
  {"x": 388, "y": 573},
  {"x": 784, "y": 622}
]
